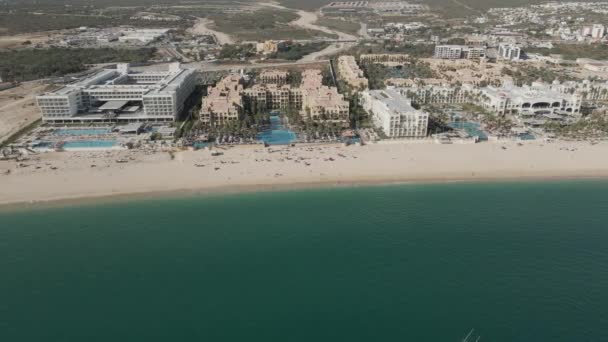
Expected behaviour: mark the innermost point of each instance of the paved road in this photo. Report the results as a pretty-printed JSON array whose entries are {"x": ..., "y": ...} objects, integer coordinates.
[
  {"x": 363, "y": 31},
  {"x": 328, "y": 51},
  {"x": 201, "y": 27},
  {"x": 308, "y": 21},
  {"x": 207, "y": 66}
]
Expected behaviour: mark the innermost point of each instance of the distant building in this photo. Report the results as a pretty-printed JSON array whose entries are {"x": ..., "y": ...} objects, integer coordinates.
[
  {"x": 383, "y": 8},
  {"x": 346, "y": 7},
  {"x": 155, "y": 17},
  {"x": 509, "y": 52},
  {"x": 145, "y": 36},
  {"x": 459, "y": 52},
  {"x": 120, "y": 95},
  {"x": 385, "y": 59},
  {"x": 393, "y": 113},
  {"x": 268, "y": 47},
  {"x": 351, "y": 74},
  {"x": 595, "y": 31},
  {"x": 448, "y": 51},
  {"x": 598, "y": 31},
  {"x": 396, "y": 8}
]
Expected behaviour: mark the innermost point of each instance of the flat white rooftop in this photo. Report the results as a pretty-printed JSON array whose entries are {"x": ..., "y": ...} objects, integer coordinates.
[
  {"x": 113, "y": 105},
  {"x": 393, "y": 100}
]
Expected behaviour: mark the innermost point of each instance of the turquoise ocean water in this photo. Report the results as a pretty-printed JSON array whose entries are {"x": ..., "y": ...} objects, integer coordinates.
[{"x": 516, "y": 261}]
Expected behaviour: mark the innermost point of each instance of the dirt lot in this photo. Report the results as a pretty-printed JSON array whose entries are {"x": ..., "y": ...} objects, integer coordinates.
[
  {"x": 18, "y": 107},
  {"x": 16, "y": 41}
]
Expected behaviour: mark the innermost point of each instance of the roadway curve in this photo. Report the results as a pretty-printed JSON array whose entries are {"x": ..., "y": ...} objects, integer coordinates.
[
  {"x": 308, "y": 21},
  {"x": 201, "y": 27}
]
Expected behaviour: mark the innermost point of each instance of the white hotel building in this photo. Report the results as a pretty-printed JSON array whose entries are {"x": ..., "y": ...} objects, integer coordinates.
[
  {"x": 393, "y": 113},
  {"x": 509, "y": 52},
  {"x": 120, "y": 95},
  {"x": 539, "y": 99},
  {"x": 459, "y": 52}
]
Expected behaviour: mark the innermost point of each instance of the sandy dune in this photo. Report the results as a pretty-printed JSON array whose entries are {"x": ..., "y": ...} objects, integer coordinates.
[
  {"x": 18, "y": 108},
  {"x": 55, "y": 176}
]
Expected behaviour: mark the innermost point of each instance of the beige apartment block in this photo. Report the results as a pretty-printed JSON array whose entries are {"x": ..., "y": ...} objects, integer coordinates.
[
  {"x": 227, "y": 100},
  {"x": 349, "y": 72},
  {"x": 386, "y": 59},
  {"x": 322, "y": 103},
  {"x": 412, "y": 82},
  {"x": 273, "y": 97},
  {"x": 268, "y": 47},
  {"x": 278, "y": 77},
  {"x": 224, "y": 102}
]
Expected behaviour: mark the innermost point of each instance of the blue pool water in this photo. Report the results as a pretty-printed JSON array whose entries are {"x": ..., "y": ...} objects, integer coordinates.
[
  {"x": 351, "y": 141},
  {"x": 277, "y": 134},
  {"x": 472, "y": 128},
  {"x": 86, "y": 131},
  {"x": 199, "y": 145},
  {"x": 90, "y": 144}
]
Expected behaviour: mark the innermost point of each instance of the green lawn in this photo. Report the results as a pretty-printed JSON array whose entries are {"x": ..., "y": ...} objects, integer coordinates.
[
  {"x": 574, "y": 51},
  {"x": 345, "y": 26},
  {"x": 31, "y": 64}
]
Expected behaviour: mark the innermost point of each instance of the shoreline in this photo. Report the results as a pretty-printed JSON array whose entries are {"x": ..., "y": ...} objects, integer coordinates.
[
  {"x": 227, "y": 190},
  {"x": 66, "y": 178}
]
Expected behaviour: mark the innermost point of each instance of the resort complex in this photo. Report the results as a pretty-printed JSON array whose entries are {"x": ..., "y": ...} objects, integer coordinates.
[
  {"x": 355, "y": 72},
  {"x": 257, "y": 93},
  {"x": 311, "y": 99},
  {"x": 120, "y": 95}
]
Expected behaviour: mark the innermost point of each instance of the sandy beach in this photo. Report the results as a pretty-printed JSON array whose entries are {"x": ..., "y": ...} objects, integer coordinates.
[{"x": 76, "y": 175}]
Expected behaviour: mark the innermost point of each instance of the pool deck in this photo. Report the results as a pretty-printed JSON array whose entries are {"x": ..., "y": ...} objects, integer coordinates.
[{"x": 277, "y": 134}]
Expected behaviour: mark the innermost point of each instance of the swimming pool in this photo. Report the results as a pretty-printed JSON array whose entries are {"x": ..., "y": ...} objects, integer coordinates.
[
  {"x": 472, "y": 128},
  {"x": 199, "y": 145},
  {"x": 277, "y": 134},
  {"x": 351, "y": 141},
  {"x": 89, "y": 144},
  {"x": 83, "y": 131}
]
